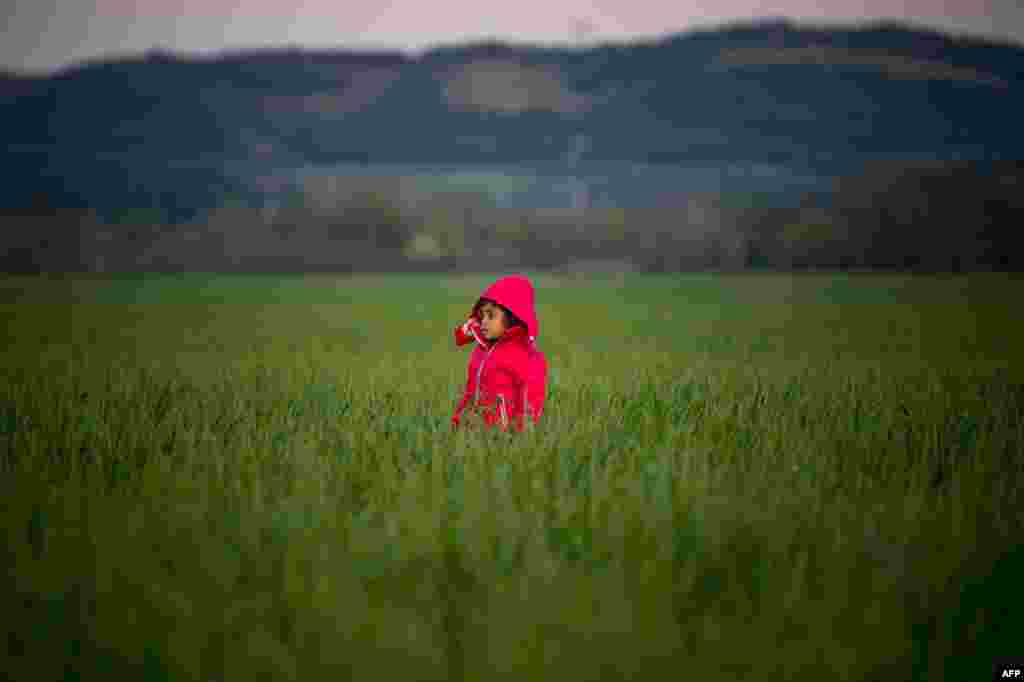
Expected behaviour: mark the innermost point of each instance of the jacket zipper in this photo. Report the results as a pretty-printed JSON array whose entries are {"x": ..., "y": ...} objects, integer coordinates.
[
  {"x": 480, "y": 371},
  {"x": 504, "y": 414}
]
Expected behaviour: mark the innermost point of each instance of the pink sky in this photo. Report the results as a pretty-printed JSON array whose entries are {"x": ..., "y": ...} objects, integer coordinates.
[
  {"x": 42, "y": 34},
  {"x": 539, "y": 16}
]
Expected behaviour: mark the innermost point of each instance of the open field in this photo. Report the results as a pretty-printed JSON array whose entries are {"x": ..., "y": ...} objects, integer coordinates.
[{"x": 757, "y": 476}]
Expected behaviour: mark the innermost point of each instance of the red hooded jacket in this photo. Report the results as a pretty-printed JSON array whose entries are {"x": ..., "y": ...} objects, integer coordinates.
[{"x": 507, "y": 377}]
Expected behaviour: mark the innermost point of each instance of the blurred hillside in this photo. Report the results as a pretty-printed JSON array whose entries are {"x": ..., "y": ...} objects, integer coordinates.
[{"x": 770, "y": 113}]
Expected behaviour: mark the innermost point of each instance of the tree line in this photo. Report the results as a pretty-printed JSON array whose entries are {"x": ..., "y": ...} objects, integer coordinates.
[{"x": 950, "y": 216}]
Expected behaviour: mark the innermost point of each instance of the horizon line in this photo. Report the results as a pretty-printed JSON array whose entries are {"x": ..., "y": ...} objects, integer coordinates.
[{"x": 413, "y": 54}]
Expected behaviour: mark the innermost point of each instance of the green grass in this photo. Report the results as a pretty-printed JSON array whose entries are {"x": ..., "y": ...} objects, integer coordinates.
[{"x": 737, "y": 477}]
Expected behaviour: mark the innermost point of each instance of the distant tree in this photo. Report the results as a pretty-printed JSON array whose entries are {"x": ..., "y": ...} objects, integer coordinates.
[{"x": 936, "y": 216}]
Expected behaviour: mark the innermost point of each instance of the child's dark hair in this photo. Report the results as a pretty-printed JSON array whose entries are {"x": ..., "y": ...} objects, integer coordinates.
[{"x": 510, "y": 318}]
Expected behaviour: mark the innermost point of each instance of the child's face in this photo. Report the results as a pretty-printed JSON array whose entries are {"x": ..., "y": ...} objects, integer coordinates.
[{"x": 492, "y": 320}]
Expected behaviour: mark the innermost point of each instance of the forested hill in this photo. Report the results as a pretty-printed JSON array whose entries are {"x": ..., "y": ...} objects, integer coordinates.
[{"x": 159, "y": 124}]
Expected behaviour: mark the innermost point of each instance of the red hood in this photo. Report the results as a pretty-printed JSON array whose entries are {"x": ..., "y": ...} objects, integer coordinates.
[{"x": 514, "y": 292}]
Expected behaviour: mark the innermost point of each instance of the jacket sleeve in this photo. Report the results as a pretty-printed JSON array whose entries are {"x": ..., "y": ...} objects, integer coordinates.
[
  {"x": 534, "y": 386},
  {"x": 462, "y": 338}
]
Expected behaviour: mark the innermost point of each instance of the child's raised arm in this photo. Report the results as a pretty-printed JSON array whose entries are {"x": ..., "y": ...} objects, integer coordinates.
[{"x": 467, "y": 332}]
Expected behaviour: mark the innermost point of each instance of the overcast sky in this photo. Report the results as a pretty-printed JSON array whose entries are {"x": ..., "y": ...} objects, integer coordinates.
[{"x": 42, "y": 35}]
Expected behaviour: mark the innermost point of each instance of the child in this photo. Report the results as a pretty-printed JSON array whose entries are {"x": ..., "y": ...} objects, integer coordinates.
[{"x": 507, "y": 373}]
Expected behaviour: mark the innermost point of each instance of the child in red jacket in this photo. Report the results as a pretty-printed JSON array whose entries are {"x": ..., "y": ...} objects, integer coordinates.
[{"x": 507, "y": 373}]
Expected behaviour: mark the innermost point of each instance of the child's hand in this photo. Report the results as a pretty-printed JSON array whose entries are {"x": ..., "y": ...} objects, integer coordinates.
[{"x": 468, "y": 332}]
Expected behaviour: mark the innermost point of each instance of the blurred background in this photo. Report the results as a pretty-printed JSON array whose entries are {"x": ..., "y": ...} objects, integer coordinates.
[{"x": 344, "y": 137}]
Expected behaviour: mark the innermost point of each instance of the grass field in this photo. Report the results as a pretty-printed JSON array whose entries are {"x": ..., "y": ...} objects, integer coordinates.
[{"x": 761, "y": 476}]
